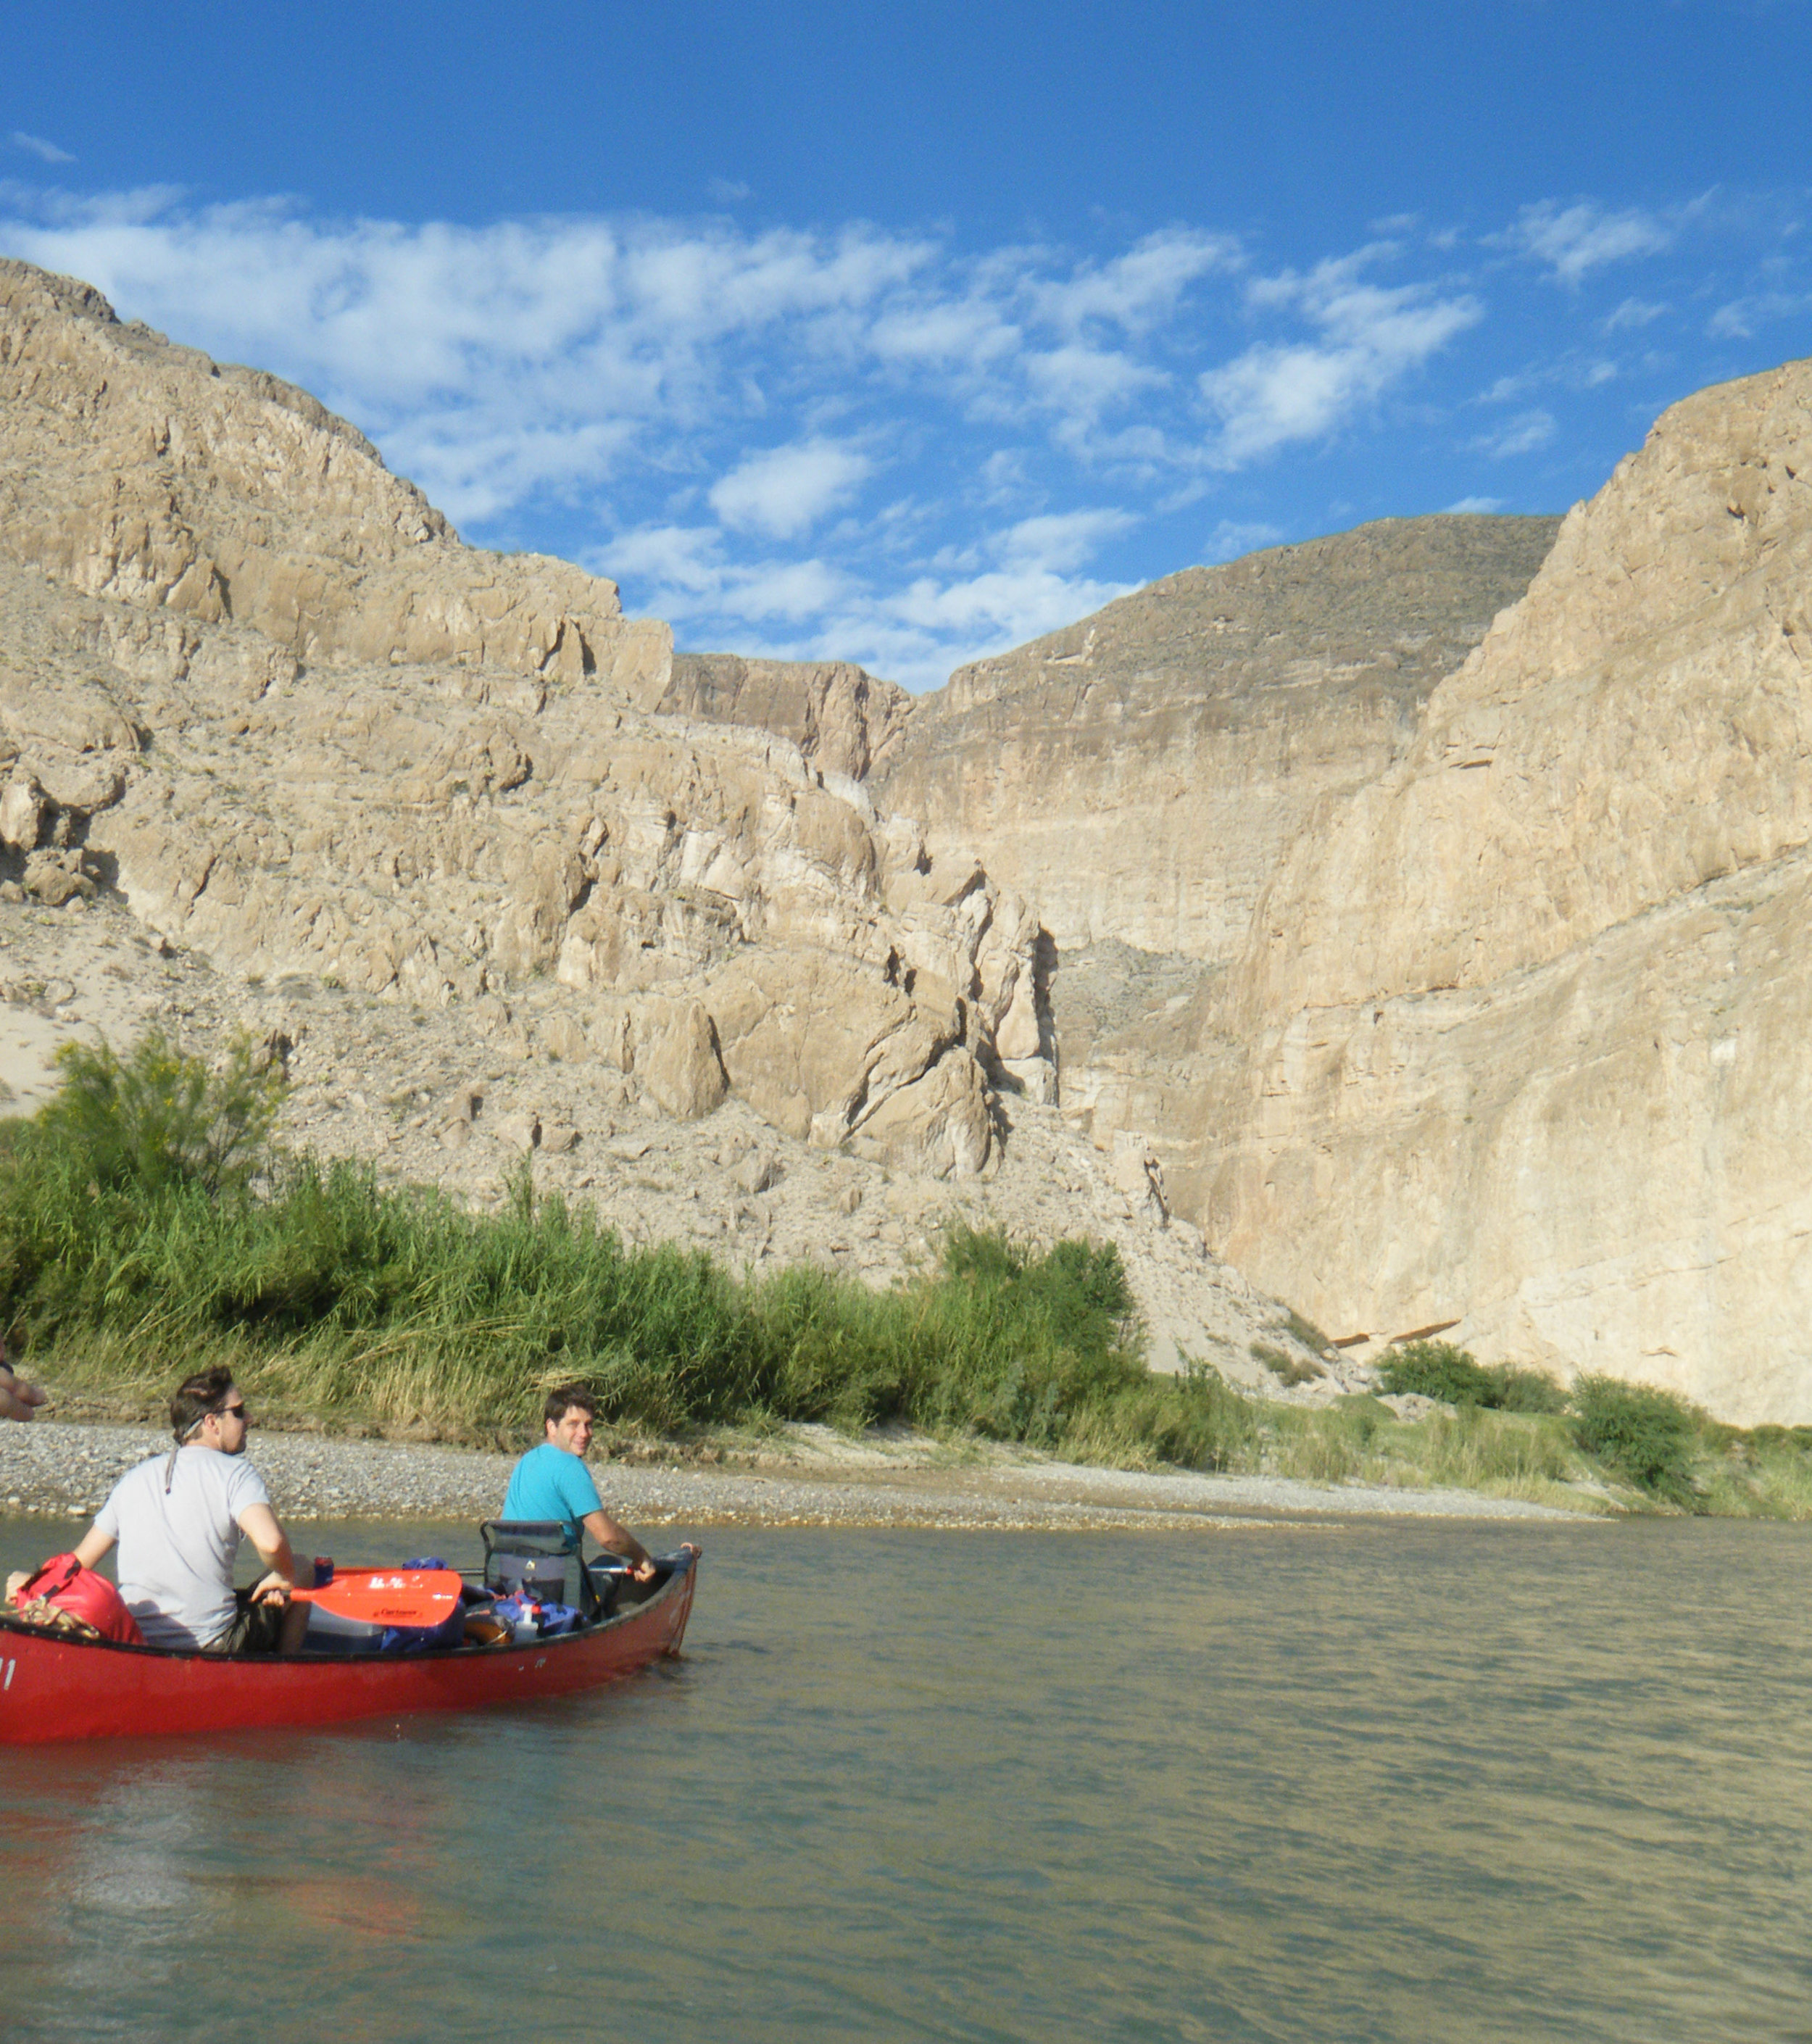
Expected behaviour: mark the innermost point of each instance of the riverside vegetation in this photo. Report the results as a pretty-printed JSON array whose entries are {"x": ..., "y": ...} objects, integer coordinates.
[{"x": 148, "y": 1221}]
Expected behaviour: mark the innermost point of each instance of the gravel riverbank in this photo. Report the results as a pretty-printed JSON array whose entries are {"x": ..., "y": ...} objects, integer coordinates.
[{"x": 68, "y": 1467}]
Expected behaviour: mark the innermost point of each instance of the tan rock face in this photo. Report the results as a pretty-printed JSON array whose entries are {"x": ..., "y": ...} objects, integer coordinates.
[
  {"x": 257, "y": 684},
  {"x": 1446, "y": 973},
  {"x": 1140, "y": 774},
  {"x": 1536, "y": 989},
  {"x": 1638, "y": 726},
  {"x": 291, "y": 757},
  {"x": 844, "y": 720},
  {"x": 146, "y": 474}
]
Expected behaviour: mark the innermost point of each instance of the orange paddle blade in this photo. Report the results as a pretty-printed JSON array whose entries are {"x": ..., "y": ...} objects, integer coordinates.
[{"x": 388, "y": 1596}]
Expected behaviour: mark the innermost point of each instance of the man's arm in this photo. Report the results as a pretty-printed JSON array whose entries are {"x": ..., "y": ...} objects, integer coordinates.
[
  {"x": 619, "y": 1540},
  {"x": 259, "y": 1524}
]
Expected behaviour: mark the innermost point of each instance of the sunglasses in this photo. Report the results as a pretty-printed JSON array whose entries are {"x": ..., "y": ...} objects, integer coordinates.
[{"x": 233, "y": 1412}]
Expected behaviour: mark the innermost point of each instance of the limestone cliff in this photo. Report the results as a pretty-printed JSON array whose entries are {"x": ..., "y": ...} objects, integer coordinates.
[
  {"x": 1142, "y": 773},
  {"x": 1448, "y": 968},
  {"x": 1536, "y": 988},
  {"x": 143, "y": 472},
  {"x": 844, "y": 720}
]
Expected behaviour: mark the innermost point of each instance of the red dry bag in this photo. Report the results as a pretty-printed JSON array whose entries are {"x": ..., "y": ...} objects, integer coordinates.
[{"x": 63, "y": 1583}]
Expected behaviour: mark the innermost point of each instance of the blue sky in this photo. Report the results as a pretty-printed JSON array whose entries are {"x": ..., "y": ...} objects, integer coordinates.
[{"x": 902, "y": 334}]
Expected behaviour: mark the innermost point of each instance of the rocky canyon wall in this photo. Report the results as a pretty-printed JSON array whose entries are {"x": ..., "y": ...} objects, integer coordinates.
[
  {"x": 257, "y": 684},
  {"x": 1448, "y": 966},
  {"x": 1142, "y": 772},
  {"x": 1519, "y": 1037}
]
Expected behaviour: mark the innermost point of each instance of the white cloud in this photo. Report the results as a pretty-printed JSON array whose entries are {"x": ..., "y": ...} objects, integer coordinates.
[
  {"x": 854, "y": 442},
  {"x": 1522, "y": 434},
  {"x": 784, "y": 491},
  {"x": 792, "y": 590},
  {"x": 667, "y": 557},
  {"x": 1082, "y": 383},
  {"x": 1739, "y": 320},
  {"x": 1575, "y": 239},
  {"x": 1372, "y": 337},
  {"x": 728, "y": 191},
  {"x": 1473, "y": 504},
  {"x": 1231, "y": 539},
  {"x": 1632, "y": 313},
  {"x": 1010, "y": 584},
  {"x": 1058, "y": 541},
  {"x": 682, "y": 573},
  {"x": 35, "y": 145},
  {"x": 966, "y": 331},
  {"x": 1137, "y": 288},
  {"x": 1002, "y": 607}
]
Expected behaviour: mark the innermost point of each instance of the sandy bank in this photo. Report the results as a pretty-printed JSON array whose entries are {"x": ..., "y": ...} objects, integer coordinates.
[{"x": 814, "y": 1479}]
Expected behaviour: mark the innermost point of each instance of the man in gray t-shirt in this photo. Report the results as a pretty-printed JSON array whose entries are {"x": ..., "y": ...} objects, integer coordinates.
[{"x": 178, "y": 1519}]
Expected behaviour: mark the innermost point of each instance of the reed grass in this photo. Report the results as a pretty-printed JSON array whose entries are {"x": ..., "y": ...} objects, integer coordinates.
[
  {"x": 130, "y": 1254},
  {"x": 149, "y": 1228}
]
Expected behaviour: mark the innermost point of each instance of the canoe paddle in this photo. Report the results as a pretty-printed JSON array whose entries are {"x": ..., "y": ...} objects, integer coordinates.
[{"x": 388, "y": 1596}]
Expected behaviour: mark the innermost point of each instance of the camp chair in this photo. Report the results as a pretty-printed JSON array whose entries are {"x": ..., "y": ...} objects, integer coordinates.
[{"x": 538, "y": 1558}]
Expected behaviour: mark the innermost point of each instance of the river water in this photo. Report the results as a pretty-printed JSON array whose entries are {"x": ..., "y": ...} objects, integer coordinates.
[{"x": 1384, "y": 1780}]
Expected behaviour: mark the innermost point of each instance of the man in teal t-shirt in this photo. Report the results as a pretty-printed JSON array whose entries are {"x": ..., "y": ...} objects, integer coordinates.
[{"x": 551, "y": 1481}]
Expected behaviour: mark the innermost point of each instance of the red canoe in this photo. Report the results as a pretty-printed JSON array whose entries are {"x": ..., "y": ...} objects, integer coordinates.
[{"x": 55, "y": 1687}]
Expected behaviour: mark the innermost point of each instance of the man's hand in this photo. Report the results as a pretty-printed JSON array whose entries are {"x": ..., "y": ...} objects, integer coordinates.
[
  {"x": 644, "y": 1570},
  {"x": 273, "y": 1589},
  {"x": 18, "y": 1399}
]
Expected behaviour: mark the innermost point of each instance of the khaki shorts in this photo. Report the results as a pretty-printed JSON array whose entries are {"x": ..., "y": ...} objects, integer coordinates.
[{"x": 256, "y": 1628}]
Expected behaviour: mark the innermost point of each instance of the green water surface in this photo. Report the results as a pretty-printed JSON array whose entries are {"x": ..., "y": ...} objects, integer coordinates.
[{"x": 1388, "y": 1780}]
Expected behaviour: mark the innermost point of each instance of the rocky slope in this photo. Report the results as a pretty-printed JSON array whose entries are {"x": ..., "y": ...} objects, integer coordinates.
[{"x": 412, "y": 812}]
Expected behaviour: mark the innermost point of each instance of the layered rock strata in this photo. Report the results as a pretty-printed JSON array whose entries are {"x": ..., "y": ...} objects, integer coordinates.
[
  {"x": 843, "y": 719},
  {"x": 1463, "y": 995}
]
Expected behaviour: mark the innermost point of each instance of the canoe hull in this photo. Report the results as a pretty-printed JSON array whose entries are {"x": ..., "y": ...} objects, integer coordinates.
[{"x": 53, "y": 1688}]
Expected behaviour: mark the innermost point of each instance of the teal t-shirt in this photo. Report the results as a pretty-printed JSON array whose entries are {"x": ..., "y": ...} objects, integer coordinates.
[{"x": 548, "y": 1483}]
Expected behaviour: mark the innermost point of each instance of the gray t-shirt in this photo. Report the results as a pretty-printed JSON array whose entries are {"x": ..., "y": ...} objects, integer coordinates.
[{"x": 178, "y": 1547}]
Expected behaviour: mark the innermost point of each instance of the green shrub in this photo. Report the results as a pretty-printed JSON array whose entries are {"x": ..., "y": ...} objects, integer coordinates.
[
  {"x": 1517, "y": 1454},
  {"x": 1645, "y": 1436},
  {"x": 144, "y": 1216},
  {"x": 1327, "y": 1444},
  {"x": 160, "y": 1117},
  {"x": 1438, "y": 1370},
  {"x": 1531, "y": 1390}
]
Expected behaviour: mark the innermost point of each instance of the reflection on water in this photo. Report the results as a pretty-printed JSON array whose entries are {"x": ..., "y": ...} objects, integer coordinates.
[{"x": 1396, "y": 1782}]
